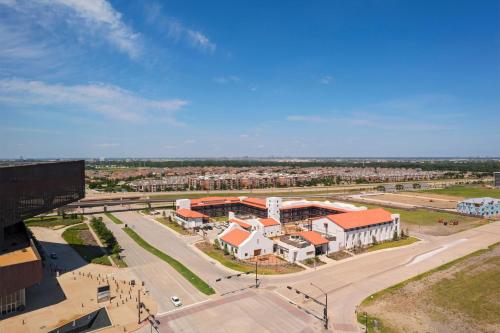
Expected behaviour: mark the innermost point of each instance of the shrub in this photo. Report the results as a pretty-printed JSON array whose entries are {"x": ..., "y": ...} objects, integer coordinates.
[
  {"x": 395, "y": 235},
  {"x": 226, "y": 252},
  {"x": 216, "y": 244},
  {"x": 374, "y": 240}
]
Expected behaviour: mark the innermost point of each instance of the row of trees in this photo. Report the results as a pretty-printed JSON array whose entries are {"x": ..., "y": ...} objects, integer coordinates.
[
  {"x": 105, "y": 235},
  {"x": 478, "y": 166}
]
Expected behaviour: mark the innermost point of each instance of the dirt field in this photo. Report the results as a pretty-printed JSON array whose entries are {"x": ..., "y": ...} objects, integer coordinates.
[
  {"x": 458, "y": 297},
  {"x": 419, "y": 200}
]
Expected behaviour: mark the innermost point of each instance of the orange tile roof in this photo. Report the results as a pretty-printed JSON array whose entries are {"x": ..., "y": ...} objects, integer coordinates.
[
  {"x": 336, "y": 209},
  {"x": 235, "y": 237},
  {"x": 268, "y": 222},
  {"x": 255, "y": 202},
  {"x": 241, "y": 223},
  {"x": 313, "y": 237},
  {"x": 214, "y": 201},
  {"x": 190, "y": 213},
  {"x": 361, "y": 218}
]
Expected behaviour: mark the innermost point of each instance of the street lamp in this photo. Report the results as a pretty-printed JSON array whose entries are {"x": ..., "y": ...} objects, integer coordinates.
[{"x": 325, "y": 310}]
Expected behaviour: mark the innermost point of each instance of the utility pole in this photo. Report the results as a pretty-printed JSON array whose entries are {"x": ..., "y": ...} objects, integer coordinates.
[
  {"x": 325, "y": 305},
  {"x": 139, "y": 306},
  {"x": 325, "y": 310},
  {"x": 256, "y": 278}
]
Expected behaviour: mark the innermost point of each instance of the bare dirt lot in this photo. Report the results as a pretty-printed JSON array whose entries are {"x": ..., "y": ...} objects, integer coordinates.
[
  {"x": 416, "y": 199},
  {"x": 458, "y": 297}
]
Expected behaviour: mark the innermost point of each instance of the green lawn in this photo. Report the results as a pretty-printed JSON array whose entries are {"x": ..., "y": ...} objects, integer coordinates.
[
  {"x": 387, "y": 245},
  {"x": 468, "y": 290},
  {"x": 227, "y": 261},
  {"x": 53, "y": 221},
  {"x": 113, "y": 218},
  {"x": 172, "y": 225},
  {"x": 468, "y": 191},
  {"x": 426, "y": 217},
  {"x": 75, "y": 237},
  {"x": 178, "y": 266}
]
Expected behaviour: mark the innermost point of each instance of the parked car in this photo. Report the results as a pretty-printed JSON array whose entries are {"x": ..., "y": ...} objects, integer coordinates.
[{"x": 176, "y": 301}]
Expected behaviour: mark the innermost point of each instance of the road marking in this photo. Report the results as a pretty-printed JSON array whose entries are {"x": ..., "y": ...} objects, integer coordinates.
[
  {"x": 432, "y": 253},
  {"x": 182, "y": 308}
]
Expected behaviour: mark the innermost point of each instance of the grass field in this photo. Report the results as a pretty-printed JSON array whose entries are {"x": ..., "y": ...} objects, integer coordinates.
[
  {"x": 172, "y": 225},
  {"x": 82, "y": 241},
  {"x": 194, "y": 279},
  {"x": 460, "y": 296},
  {"x": 426, "y": 221},
  {"x": 387, "y": 245},
  {"x": 53, "y": 221},
  {"x": 227, "y": 261},
  {"x": 113, "y": 218},
  {"x": 467, "y": 191}
]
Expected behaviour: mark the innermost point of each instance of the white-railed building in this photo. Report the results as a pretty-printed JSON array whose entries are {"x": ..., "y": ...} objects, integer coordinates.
[
  {"x": 360, "y": 228},
  {"x": 303, "y": 245}
]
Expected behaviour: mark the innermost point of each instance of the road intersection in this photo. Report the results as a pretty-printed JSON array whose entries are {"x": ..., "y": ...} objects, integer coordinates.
[{"x": 273, "y": 307}]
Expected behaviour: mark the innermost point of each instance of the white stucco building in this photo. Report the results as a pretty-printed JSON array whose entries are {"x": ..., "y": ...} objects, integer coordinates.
[
  {"x": 358, "y": 228},
  {"x": 303, "y": 245},
  {"x": 245, "y": 244},
  {"x": 190, "y": 219}
]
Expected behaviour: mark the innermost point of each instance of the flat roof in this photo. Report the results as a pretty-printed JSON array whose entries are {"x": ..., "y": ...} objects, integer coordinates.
[{"x": 20, "y": 256}]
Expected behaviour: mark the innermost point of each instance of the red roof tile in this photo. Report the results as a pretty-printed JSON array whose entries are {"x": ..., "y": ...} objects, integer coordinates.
[
  {"x": 361, "y": 218},
  {"x": 190, "y": 213},
  {"x": 235, "y": 237},
  {"x": 313, "y": 237},
  {"x": 268, "y": 222},
  {"x": 241, "y": 223},
  {"x": 261, "y": 203}
]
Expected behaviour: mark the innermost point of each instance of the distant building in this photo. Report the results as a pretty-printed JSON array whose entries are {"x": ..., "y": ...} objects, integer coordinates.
[
  {"x": 496, "y": 175},
  {"x": 484, "y": 207}
]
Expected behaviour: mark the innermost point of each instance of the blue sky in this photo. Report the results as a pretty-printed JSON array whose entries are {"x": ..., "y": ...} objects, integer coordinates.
[{"x": 82, "y": 78}]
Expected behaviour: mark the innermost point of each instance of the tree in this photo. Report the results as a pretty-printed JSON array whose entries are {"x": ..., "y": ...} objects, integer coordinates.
[
  {"x": 216, "y": 244},
  {"x": 374, "y": 240},
  {"x": 226, "y": 252},
  {"x": 395, "y": 235}
]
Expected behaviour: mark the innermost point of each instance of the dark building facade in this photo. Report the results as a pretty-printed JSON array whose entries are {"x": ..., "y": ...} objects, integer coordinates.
[{"x": 25, "y": 191}]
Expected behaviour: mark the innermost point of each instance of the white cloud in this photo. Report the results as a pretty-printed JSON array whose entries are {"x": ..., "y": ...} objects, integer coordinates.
[
  {"x": 327, "y": 79},
  {"x": 244, "y": 136},
  {"x": 95, "y": 17},
  {"x": 176, "y": 30},
  {"x": 200, "y": 41},
  {"x": 190, "y": 141},
  {"x": 226, "y": 79},
  {"x": 111, "y": 101}
]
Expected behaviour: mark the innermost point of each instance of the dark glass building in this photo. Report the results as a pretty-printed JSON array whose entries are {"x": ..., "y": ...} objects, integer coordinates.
[{"x": 27, "y": 190}]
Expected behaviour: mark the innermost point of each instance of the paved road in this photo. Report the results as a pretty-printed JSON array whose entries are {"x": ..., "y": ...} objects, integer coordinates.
[
  {"x": 161, "y": 280},
  {"x": 347, "y": 282}
]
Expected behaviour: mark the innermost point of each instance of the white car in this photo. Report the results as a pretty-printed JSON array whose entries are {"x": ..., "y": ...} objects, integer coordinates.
[{"x": 176, "y": 301}]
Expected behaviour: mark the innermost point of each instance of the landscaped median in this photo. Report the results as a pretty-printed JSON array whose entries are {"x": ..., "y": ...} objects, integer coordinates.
[
  {"x": 109, "y": 240},
  {"x": 464, "y": 288},
  {"x": 81, "y": 240},
  {"x": 194, "y": 279},
  {"x": 113, "y": 218}
]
